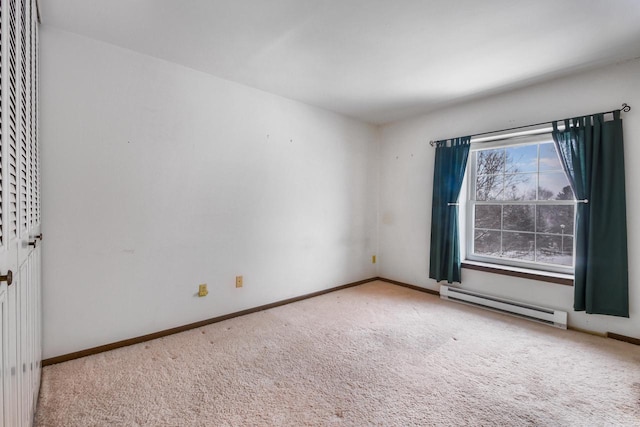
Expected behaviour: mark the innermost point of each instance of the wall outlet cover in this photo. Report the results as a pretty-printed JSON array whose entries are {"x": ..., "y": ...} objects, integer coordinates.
[{"x": 202, "y": 290}]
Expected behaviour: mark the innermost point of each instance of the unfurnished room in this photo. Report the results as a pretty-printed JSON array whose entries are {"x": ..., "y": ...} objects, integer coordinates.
[{"x": 319, "y": 213}]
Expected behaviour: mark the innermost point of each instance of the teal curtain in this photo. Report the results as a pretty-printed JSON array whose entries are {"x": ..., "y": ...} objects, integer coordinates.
[
  {"x": 592, "y": 154},
  {"x": 450, "y": 164}
]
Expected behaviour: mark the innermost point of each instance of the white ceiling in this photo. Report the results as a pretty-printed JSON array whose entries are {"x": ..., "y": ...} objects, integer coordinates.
[{"x": 377, "y": 60}]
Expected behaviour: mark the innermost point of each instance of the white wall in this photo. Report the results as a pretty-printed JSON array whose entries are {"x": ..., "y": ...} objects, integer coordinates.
[
  {"x": 157, "y": 178},
  {"x": 406, "y": 178}
]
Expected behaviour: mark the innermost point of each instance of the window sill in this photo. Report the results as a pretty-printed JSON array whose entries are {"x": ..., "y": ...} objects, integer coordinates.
[{"x": 543, "y": 276}]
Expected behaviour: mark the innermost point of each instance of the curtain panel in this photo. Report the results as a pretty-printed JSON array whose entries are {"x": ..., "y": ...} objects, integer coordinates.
[
  {"x": 448, "y": 174},
  {"x": 592, "y": 154}
]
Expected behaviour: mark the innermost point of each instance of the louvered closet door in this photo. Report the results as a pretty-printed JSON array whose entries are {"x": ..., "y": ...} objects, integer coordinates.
[
  {"x": 9, "y": 187},
  {"x": 20, "y": 211},
  {"x": 5, "y": 365}
]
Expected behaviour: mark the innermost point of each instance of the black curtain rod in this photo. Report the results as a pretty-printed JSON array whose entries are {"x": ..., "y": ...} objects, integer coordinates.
[{"x": 625, "y": 109}]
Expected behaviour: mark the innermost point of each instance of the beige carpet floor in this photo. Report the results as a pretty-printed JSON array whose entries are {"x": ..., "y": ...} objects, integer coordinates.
[{"x": 376, "y": 354}]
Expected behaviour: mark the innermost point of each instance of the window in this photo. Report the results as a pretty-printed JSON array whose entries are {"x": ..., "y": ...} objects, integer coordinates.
[{"x": 520, "y": 207}]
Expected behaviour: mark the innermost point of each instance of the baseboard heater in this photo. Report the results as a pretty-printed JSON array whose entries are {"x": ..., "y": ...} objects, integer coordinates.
[{"x": 544, "y": 315}]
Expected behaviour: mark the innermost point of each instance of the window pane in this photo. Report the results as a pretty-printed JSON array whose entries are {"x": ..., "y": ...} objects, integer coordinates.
[
  {"x": 520, "y": 186},
  {"x": 487, "y": 242},
  {"x": 519, "y": 217},
  {"x": 553, "y": 185},
  {"x": 549, "y": 160},
  {"x": 489, "y": 187},
  {"x": 565, "y": 194},
  {"x": 555, "y": 219},
  {"x": 518, "y": 245},
  {"x": 554, "y": 249},
  {"x": 521, "y": 159},
  {"x": 488, "y": 216},
  {"x": 490, "y": 162}
]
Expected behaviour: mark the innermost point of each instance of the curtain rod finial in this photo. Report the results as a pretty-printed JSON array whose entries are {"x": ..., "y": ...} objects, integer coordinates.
[
  {"x": 626, "y": 108},
  {"x": 432, "y": 143}
]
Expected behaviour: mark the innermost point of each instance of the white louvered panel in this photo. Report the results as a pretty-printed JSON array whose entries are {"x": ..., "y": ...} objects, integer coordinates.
[
  {"x": 35, "y": 283},
  {"x": 23, "y": 158},
  {"x": 37, "y": 262},
  {"x": 33, "y": 331},
  {"x": 28, "y": 362},
  {"x": 25, "y": 329},
  {"x": 23, "y": 342},
  {"x": 12, "y": 125},
  {"x": 10, "y": 367},
  {"x": 34, "y": 160},
  {"x": 4, "y": 339},
  {"x": 34, "y": 264},
  {"x": 4, "y": 324},
  {"x": 27, "y": 366},
  {"x": 32, "y": 140},
  {"x": 36, "y": 109},
  {"x": 36, "y": 139},
  {"x": 38, "y": 322},
  {"x": 36, "y": 337}
]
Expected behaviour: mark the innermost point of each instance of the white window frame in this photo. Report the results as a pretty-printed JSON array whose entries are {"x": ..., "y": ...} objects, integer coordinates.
[{"x": 470, "y": 203}]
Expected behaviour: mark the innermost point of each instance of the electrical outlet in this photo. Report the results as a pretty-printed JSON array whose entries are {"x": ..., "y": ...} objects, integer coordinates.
[
  {"x": 202, "y": 290},
  {"x": 238, "y": 281},
  {"x": 373, "y": 259}
]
